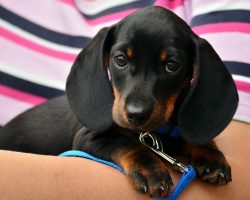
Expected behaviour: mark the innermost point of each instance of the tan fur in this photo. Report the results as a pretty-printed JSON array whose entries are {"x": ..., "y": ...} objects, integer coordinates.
[
  {"x": 160, "y": 115},
  {"x": 170, "y": 104},
  {"x": 163, "y": 56},
  {"x": 130, "y": 52}
]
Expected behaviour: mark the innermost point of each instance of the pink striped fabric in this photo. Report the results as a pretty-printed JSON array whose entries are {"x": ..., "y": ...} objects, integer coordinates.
[
  {"x": 218, "y": 5},
  {"x": 69, "y": 2},
  {"x": 163, "y": 3},
  {"x": 170, "y": 4},
  {"x": 54, "y": 15},
  {"x": 231, "y": 40},
  {"x": 36, "y": 47},
  {"x": 111, "y": 17},
  {"x": 229, "y": 48},
  {"x": 40, "y": 40},
  {"x": 40, "y": 66},
  {"x": 243, "y": 86},
  {"x": 223, "y": 27},
  {"x": 243, "y": 110},
  {"x": 10, "y": 108},
  {"x": 117, "y": 16},
  {"x": 21, "y": 96}
]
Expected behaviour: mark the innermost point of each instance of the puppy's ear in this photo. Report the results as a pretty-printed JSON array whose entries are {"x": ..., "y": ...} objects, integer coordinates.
[
  {"x": 212, "y": 99},
  {"x": 88, "y": 88}
]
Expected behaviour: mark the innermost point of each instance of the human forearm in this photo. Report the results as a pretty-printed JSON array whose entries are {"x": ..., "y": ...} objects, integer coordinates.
[{"x": 29, "y": 176}]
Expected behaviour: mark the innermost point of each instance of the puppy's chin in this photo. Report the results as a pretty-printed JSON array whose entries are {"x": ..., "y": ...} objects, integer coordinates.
[{"x": 148, "y": 126}]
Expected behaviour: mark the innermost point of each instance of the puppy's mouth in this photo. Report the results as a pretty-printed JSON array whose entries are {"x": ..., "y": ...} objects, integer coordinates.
[
  {"x": 142, "y": 116},
  {"x": 142, "y": 122}
]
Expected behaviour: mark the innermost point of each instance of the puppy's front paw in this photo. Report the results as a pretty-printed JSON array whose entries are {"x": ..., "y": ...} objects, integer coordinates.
[
  {"x": 147, "y": 173},
  {"x": 212, "y": 167},
  {"x": 152, "y": 178}
]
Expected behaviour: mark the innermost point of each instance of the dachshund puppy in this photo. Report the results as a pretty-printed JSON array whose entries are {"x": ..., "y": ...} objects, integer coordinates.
[{"x": 138, "y": 75}]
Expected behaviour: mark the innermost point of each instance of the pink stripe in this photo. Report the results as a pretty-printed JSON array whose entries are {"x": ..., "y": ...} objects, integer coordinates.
[
  {"x": 243, "y": 86},
  {"x": 169, "y": 4},
  {"x": 222, "y": 27},
  {"x": 22, "y": 96},
  {"x": 36, "y": 47},
  {"x": 68, "y": 2}
]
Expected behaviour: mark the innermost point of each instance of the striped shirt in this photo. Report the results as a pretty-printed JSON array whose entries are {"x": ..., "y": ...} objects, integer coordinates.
[{"x": 40, "y": 40}]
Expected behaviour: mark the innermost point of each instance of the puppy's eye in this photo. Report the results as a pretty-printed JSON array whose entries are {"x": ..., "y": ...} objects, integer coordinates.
[
  {"x": 172, "y": 66},
  {"x": 121, "y": 61}
]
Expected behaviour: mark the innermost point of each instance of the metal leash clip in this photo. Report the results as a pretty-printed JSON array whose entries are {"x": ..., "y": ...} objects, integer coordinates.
[{"x": 157, "y": 147}]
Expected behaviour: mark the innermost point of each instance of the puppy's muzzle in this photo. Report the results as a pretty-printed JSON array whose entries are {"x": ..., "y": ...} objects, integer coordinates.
[{"x": 138, "y": 113}]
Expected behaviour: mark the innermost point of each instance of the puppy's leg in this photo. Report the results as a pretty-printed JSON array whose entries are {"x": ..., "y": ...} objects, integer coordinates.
[
  {"x": 210, "y": 163},
  {"x": 145, "y": 170}
]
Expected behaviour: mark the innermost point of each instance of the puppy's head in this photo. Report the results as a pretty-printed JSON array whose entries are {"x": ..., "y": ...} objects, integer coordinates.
[
  {"x": 134, "y": 72},
  {"x": 149, "y": 63}
]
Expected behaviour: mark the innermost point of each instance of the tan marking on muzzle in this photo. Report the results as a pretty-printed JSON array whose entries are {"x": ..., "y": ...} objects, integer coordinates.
[
  {"x": 156, "y": 118},
  {"x": 170, "y": 104},
  {"x": 118, "y": 110}
]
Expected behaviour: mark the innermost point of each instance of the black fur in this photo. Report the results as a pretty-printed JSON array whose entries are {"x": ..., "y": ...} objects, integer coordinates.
[
  {"x": 103, "y": 116},
  {"x": 212, "y": 99},
  {"x": 88, "y": 89}
]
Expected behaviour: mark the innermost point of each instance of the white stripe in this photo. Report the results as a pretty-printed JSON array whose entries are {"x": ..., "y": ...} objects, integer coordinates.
[
  {"x": 241, "y": 78},
  {"x": 98, "y": 27},
  {"x": 94, "y": 7},
  {"x": 241, "y": 118},
  {"x": 38, "y": 40},
  {"x": 44, "y": 68},
  {"x": 35, "y": 78},
  {"x": 220, "y": 6},
  {"x": 178, "y": 11},
  {"x": 10, "y": 108},
  {"x": 231, "y": 46},
  {"x": 51, "y": 14}
]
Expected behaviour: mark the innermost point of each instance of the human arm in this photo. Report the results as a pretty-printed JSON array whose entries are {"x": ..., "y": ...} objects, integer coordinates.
[{"x": 29, "y": 176}]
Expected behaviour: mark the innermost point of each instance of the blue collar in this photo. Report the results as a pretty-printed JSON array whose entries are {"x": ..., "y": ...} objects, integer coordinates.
[{"x": 170, "y": 130}]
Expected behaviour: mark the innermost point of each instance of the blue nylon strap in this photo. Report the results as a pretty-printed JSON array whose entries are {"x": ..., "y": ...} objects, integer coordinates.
[
  {"x": 82, "y": 154},
  {"x": 185, "y": 180},
  {"x": 170, "y": 130}
]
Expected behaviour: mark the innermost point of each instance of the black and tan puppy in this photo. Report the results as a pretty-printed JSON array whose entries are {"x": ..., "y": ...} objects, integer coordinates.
[{"x": 148, "y": 70}]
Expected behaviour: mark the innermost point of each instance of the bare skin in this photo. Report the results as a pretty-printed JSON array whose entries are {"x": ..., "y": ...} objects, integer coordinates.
[{"x": 29, "y": 176}]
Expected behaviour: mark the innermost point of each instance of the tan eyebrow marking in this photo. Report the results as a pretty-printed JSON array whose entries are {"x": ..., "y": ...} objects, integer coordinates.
[
  {"x": 163, "y": 55},
  {"x": 129, "y": 52}
]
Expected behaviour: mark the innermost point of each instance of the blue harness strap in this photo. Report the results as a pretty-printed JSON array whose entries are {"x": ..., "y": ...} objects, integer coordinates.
[
  {"x": 185, "y": 180},
  {"x": 82, "y": 154}
]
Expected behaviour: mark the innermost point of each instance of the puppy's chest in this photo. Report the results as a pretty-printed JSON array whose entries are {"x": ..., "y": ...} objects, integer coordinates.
[{"x": 170, "y": 137}]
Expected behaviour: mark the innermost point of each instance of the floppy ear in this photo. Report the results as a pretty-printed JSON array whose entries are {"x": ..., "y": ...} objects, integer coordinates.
[
  {"x": 88, "y": 88},
  {"x": 212, "y": 99}
]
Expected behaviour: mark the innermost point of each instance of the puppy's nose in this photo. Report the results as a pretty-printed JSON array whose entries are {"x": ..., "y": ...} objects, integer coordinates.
[{"x": 138, "y": 114}]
